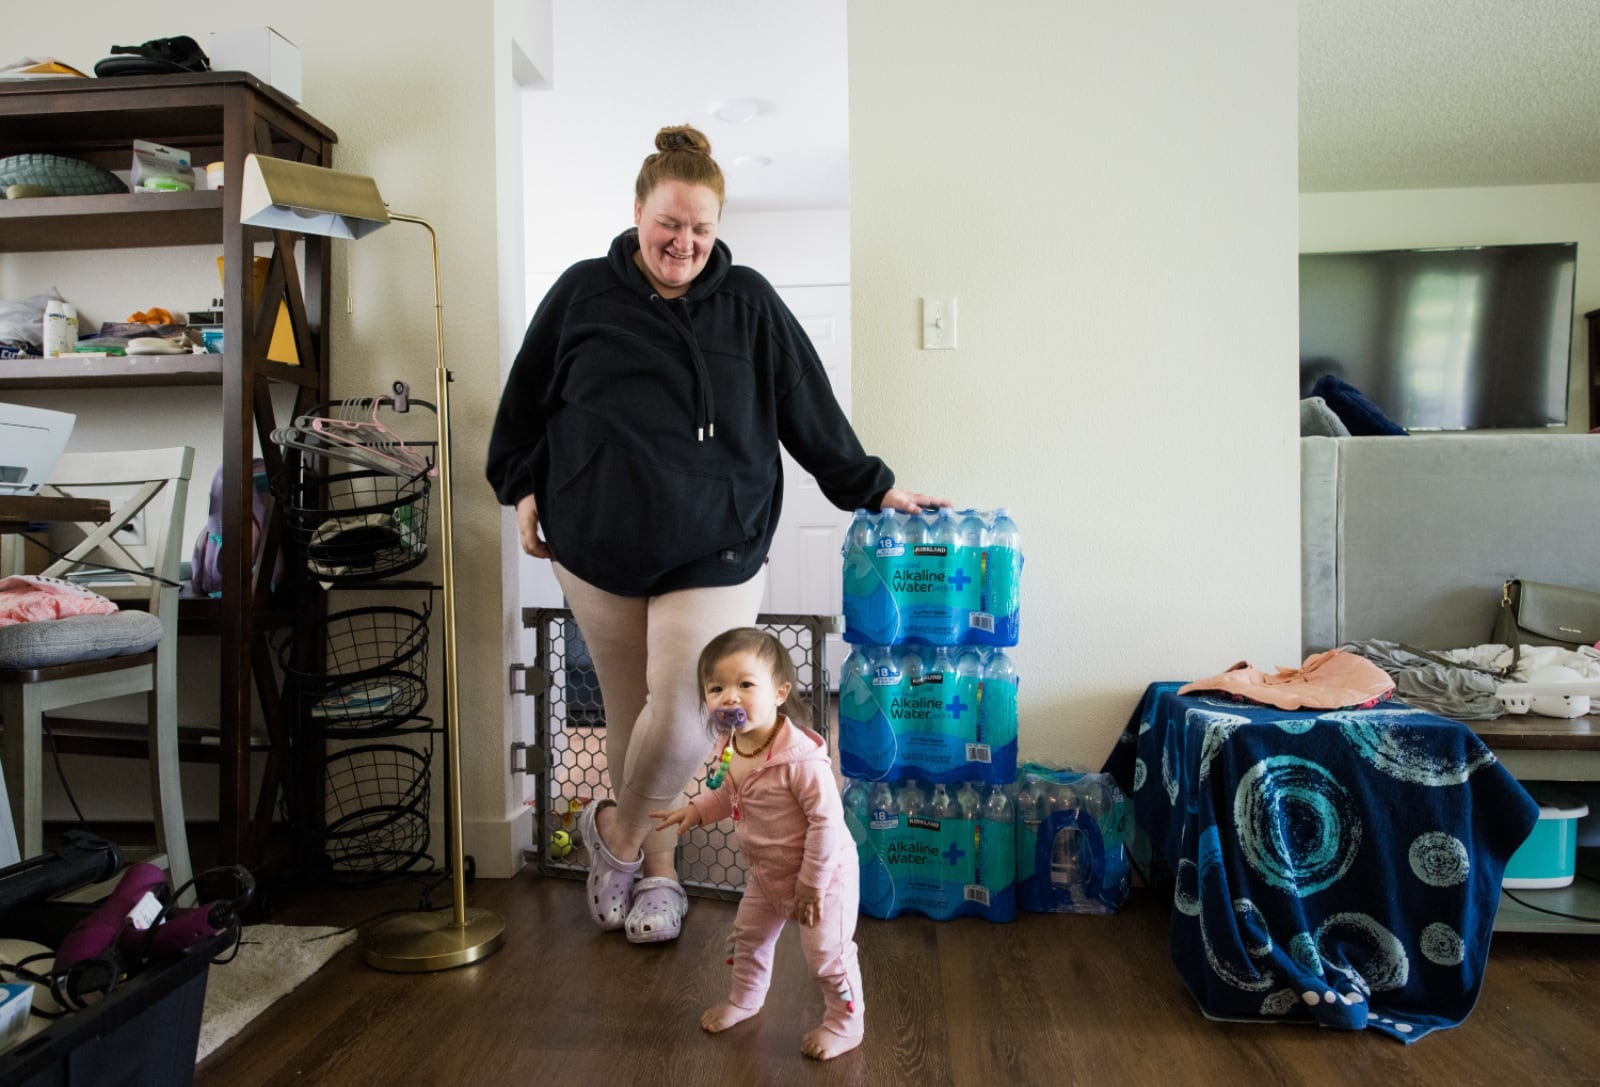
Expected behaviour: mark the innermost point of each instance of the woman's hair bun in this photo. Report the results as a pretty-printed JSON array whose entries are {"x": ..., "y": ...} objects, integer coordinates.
[{"x": 682, "y": 138}]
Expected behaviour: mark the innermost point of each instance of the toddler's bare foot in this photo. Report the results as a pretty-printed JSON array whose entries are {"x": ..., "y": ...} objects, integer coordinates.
[
  {"x": 823, "y": 1044},
  {"x": 724, "y": 1016}
]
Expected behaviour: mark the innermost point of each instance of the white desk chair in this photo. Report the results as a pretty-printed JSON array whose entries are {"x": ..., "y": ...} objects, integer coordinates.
[{"x": 51, "y": 664}]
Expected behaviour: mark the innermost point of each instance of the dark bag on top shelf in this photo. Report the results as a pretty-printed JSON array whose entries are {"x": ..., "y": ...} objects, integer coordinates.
[{"x": 159, "y": 56}]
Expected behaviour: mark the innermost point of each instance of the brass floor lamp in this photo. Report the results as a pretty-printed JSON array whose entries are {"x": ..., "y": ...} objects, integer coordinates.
[{"x": 284, "y": 195}]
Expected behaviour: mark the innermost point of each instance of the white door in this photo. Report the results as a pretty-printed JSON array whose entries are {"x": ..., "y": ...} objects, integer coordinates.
[{"x": 803, "y": 576}]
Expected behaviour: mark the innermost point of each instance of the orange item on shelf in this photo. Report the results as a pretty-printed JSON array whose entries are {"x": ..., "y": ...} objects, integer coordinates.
[{"x": 155, "y": 315}]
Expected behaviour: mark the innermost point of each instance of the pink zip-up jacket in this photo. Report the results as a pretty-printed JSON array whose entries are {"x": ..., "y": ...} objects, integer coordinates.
[{"x": 788, "y": 816}]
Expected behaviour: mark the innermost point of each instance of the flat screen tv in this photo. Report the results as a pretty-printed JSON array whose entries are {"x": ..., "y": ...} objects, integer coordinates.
[{"x": 1470, "y": 338}]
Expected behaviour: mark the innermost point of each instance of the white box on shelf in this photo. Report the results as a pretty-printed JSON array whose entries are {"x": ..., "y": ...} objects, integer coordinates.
[{"x": 261, "y": 51}]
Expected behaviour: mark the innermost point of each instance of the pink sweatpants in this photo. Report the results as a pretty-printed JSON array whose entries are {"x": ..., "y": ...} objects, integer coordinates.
[
  {"x": 829, "y": 946},
  {"x": 645, "y": 651}
]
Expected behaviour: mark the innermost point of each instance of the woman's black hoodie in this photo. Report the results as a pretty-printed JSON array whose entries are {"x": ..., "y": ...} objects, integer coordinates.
[{"x": 649, "y": 428}]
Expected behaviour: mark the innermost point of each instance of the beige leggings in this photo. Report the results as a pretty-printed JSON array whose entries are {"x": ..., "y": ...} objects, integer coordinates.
[{"x": 645, "y": 651}]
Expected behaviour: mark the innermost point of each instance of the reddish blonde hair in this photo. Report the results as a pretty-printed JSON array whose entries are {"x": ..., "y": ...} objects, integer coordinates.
[{"x": 682, "y": 154}]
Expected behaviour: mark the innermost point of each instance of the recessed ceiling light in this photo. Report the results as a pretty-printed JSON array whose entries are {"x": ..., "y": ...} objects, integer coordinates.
[
  {"x": 752, "y": 161},
  {"x": 736, "y": 111}
]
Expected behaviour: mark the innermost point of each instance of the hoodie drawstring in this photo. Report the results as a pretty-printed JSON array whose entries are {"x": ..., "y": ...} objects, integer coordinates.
[{"x": 705, "y": 411}]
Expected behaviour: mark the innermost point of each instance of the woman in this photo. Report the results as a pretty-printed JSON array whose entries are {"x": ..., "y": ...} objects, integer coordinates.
[{"x": 638, "y": 438}]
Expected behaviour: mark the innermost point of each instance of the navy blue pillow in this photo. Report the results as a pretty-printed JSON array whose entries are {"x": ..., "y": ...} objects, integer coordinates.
[{"x": 1351, "y": 405}]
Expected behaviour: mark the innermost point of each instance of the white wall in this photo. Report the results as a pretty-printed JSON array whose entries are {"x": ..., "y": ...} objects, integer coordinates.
[
  {"x": 421, "y": 106},
  {"x": 1109, "y": 192},
  {"x": 1418, "y": 218},
  {"x": 791, "y": 248}
]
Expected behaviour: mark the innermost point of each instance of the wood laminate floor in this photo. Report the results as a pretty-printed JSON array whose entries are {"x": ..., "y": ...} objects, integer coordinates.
[{"x": 1056, "y": 1000}]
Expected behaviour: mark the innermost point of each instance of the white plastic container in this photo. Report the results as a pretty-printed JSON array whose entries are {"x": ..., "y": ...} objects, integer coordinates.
[{"x": 60, "y": 328}]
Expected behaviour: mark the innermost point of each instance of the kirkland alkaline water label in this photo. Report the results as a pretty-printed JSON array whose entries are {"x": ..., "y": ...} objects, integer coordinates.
[
  {"x": 936, "y": 586},
  {"x": 941, "y": 868},
  {"x": 931, "y": 863},
  {"x": 935, "y": 719}
]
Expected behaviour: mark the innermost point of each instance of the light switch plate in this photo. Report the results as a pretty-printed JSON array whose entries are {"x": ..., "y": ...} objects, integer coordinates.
[{"x": 939, "y": 323}]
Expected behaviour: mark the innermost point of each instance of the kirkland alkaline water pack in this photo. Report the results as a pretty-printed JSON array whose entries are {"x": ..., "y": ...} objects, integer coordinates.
[
  {"x": 945, "y": 850},
  {"x": 939, "y": 714},
  {"x": 929, "y": 693},
  {"x": 1072, "y": 854},
  {"x": 934, "y": 578}
]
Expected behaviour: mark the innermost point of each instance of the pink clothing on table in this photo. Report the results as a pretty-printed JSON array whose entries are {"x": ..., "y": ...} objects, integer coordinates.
[
  {"x": 790, "y": 822},
  {"x": 1331, "y": 680},
  {"x": 25, "y": 598}
]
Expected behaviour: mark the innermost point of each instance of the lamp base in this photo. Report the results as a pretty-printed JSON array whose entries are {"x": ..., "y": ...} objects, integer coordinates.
[{"x": 417, "y": 943}]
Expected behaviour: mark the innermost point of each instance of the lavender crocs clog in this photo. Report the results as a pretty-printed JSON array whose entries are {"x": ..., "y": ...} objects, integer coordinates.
[
  {"x": 610, "y": 882},
  {"x": 659, "y": 904}
]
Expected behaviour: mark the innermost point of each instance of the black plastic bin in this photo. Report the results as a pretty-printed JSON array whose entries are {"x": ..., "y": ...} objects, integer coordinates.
[{"x": 144, "y": 1033}]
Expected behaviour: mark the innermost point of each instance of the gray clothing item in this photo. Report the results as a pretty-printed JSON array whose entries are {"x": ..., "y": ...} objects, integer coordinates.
[{"x": 1463, "y": 691}]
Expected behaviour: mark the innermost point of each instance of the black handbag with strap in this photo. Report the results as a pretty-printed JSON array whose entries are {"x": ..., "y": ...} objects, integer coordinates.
[{"x": 1535, "y": 613}]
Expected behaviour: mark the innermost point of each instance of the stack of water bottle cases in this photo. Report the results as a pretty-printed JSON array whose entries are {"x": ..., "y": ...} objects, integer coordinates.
[{"x": 945, "y": 823}]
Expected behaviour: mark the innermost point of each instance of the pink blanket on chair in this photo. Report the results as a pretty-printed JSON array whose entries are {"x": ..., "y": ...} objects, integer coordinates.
[{"x": 27, "y": 597}]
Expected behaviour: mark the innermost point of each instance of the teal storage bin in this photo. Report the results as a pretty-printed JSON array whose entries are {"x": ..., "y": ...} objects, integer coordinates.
[{"x": 1549, "y": 858}]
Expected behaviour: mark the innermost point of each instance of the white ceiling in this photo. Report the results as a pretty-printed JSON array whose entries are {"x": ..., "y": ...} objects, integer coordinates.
[
  {"x": 1412, "y": 94},
  {"x": 1393, "y": 93}
]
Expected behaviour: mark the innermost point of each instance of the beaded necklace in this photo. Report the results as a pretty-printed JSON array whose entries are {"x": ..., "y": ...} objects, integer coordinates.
[
  {"x": 720, "y": 771},
  {"x": 733, "y": 741}
]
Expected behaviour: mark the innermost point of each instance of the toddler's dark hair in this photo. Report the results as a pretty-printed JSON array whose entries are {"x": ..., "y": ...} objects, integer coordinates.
[{"x": 768, "y": 650}]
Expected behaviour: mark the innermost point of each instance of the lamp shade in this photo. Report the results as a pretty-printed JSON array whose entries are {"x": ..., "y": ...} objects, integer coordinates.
[{"x": 285, "y": 195}]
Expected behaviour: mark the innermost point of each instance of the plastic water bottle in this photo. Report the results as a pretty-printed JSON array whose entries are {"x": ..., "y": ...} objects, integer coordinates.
[
  {"x": 889, "y": 539},
  {"x": 1093, "y": 801},
  {"x": 911, "y": 799},
  {"x": 857, "y": 808},
  {"x": 968, "y": 802},
  {"x": 971, "y": 530},
  {"x": 1026, "y": 806},
  {"x": 995, "y": 863},
  {"x": 997, "y": 805},
  {"x": 862, "y": 534},
  {"x": 916, "y": 529},
  {"x": 882, "y": 803},
  {"x": 912, "y": 666},
  {"x": 855, "y": 680},
  {"x": 997, "y": 701},
  {"x": 941, "y": 806},
  {"x": 1003, "y": 582},
  {"x": 856, "y": 674},
  {"x": 1066, "y": 870}
]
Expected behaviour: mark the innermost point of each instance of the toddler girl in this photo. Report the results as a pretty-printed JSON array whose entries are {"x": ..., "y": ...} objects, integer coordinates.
[{"x": 773, "y": 776}]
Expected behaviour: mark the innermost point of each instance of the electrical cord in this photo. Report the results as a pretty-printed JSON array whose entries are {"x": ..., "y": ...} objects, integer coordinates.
[
  {"x": 1525, "y": 904},
  {"x": 66, "y": 787},
  {"x": 101, "y": 566}
]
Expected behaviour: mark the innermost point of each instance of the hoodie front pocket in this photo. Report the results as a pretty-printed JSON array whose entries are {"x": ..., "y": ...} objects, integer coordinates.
[{"x": 636, "y": 518}]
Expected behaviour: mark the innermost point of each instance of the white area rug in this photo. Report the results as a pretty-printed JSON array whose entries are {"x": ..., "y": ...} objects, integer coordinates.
[{"x": 272, "y": 960}]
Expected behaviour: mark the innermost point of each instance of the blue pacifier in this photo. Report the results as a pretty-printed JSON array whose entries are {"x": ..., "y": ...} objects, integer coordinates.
[{"x": 729, "y": 718}]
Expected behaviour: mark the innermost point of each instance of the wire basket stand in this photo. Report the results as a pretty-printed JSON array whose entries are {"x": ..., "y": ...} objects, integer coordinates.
[{"x": 355, "y": 489}]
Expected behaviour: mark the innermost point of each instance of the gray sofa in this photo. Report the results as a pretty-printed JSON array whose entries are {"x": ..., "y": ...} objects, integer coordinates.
[{"x": 1407, "y": 539}]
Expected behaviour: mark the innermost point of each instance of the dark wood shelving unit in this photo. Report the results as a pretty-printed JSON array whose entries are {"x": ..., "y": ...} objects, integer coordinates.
[{"x": 217, "y": 116}]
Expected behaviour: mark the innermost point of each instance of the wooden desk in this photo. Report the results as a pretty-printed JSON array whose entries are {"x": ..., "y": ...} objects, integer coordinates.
[{"x": 17, "y": 512}]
